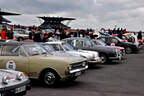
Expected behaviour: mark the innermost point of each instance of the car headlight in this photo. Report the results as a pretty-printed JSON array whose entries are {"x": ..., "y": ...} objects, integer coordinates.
[
  {"x": 84, "y": 64},
  {"x": 5, "y": 79},
  {"x": 70, "y": 67},
  {"x": 20, "y": 76}
]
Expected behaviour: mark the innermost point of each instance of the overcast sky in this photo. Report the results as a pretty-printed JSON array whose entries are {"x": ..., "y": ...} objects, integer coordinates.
[{"x": 88, "y": 13}]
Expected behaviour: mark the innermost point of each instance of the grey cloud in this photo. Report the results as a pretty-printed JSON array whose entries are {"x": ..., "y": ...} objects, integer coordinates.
[{"x": 95, "y": 13}]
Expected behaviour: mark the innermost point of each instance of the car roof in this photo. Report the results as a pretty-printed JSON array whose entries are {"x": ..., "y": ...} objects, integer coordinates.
[
  {"x": 55, "y": 42},
  {"x": 15, "y": 43},
  {"x": 82, "y": 38}
]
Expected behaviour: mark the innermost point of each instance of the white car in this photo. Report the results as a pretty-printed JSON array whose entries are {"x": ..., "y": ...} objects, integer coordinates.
[
  {"x": 62, "y": 48},
  {"x": 13, "y": 83}
]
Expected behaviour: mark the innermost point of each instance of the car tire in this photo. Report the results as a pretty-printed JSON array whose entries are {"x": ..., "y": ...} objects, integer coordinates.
[
  {"x": 103, "y": 58},
  {"x": 20, "y": 39},
  {"x": 128, "y": 50},
  {"x": 49, "y": 78}
]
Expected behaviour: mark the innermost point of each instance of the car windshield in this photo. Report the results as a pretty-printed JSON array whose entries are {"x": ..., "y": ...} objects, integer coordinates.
[
  {"x": 90, "y": 42},
  {"x": 48, "y": 47},
  {"x": 57, "y": 47},
  {"x": 67, "y": 47},
  {"x": 34, "y": 49},
  {"x": 101, "y": 42}
]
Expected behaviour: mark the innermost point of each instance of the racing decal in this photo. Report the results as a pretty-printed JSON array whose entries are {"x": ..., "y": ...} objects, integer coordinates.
[{"x": 11, "y": 65}]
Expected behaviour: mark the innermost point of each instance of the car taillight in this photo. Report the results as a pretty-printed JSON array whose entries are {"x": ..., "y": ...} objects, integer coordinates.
[{"x": 86, "y": 64}]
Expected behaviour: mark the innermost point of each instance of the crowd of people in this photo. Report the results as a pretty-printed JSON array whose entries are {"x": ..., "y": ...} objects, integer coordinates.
[
  {"x": 6, "y": 33},
  {"x": 37, "y": 34}
]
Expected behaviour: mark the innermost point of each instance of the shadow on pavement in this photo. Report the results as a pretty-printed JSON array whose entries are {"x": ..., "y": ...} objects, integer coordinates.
[
  {"x": 62, "y": 84},
  {"x": 97, "y": 67}
]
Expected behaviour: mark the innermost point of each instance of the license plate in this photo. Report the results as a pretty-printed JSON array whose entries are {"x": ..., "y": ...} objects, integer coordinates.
[
  {"x": 20, "y": 89},
  {"x": 77, "y": 73}
]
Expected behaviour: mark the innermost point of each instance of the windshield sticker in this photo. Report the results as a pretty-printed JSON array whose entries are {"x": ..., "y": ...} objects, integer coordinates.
[{"x": 11, "y": 65}]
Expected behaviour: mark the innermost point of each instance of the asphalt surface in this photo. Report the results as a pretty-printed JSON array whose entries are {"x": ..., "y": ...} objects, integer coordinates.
[{"x": 113, "y": 79}]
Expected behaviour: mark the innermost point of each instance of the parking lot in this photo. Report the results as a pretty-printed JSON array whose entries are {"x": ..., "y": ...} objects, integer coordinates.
[{"x": 113, "y": 79}]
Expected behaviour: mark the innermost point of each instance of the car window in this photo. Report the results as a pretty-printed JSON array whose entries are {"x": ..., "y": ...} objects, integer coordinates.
[
  {"x": 103, "y": 39},
  {"x": 71, "y": 42},
  {"x": 48, "y": 47},
  {"x": 79, "y": 43},
  {"x": 22, "y": 53},
  {"x": 67, "y": 47},
  {"x": 115, "y": 41},
  {"x": 57, "y": 47},
  {"x": 10, "y": 50},
  {"x": 34, "y": 49}
]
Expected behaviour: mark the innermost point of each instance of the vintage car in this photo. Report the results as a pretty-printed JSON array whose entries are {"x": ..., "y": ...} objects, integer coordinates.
[
  {"x": 20, "y": 35},
  {"x": 131, "y": 37},
  {"x": 60, "y": 47},
  {"x": 129, "y": 47},
  {"x": 32, "y": 59},
  {"x": 13, "y": 83},
  {"x": 100, "y": 42},
  {"x": 105, "y": 53}
]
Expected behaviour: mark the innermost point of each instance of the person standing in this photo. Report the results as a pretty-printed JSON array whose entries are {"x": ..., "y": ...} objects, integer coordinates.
[
  {"x": 37, "y": 37},
  {"x": 3, "y": 33},
  {"x": 10, "y": 33},
  {"x": 139, "y": 35}
]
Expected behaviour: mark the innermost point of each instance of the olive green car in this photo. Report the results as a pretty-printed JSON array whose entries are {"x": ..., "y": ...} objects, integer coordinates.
[{"x": 32, "y": 59}]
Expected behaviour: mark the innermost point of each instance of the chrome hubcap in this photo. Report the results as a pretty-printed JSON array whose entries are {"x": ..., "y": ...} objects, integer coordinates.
[{"x": 49, "y": 78}]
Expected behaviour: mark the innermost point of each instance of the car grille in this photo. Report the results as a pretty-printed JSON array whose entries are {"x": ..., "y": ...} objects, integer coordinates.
[
  {"x": 118, "y": 53},
  {"x": 123, "y": 52},
  {"x": 77, "y": 65}
]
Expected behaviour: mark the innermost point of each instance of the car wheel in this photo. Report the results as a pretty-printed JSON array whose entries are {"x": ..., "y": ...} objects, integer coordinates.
[
  {"x": 50, "y": 78},
  {"x": 103, "y": 58},
  {"x": 20, "y": 39},
  {"x": 128, "y": 50}
]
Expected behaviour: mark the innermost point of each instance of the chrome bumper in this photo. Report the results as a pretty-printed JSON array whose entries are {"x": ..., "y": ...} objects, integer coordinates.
[{"x": 77, "y": 70}]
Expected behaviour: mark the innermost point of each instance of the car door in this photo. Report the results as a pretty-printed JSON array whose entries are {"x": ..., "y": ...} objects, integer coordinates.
[{"x": 13, "y": 58}]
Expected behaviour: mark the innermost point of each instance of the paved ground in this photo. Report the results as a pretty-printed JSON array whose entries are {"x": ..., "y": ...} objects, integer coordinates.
[{"x": 115, "y": 79}]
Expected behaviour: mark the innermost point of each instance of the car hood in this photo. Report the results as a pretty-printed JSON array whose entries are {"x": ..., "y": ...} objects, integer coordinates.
[
  {"x": 117, "y": 47},
  {"x": 104, "y": 48},
  {"x": 87, "y": 55},
  {"x": 68, "y": 59},
  {"x": 89, "y": 52},
  {"x": 4, "y": 73},
  {"x": 12, "y": 78},
  {"x": 65, "y": 53}
]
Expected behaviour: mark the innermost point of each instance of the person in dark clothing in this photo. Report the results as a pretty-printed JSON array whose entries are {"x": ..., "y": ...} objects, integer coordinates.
[
  {"x": 114, "y": 31},
  {"x": 37, "y": 37},
  {"x": 63, "y": 36},
  {"x": 30, "y": 35},
  {"x": 109, "y": 31},
  {"x": 10, "y": 34},
  {"x": 139, "y": 35},
  {"x": 120, "y": 33}
]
